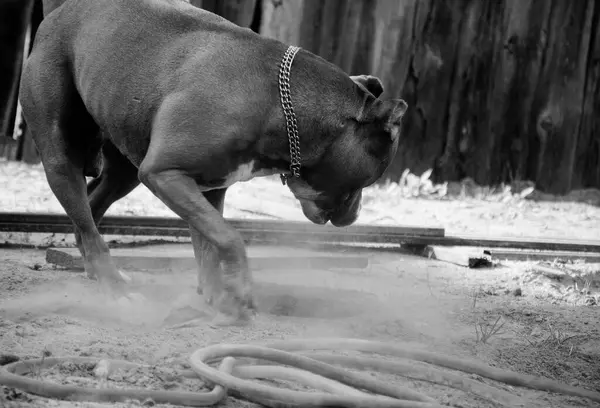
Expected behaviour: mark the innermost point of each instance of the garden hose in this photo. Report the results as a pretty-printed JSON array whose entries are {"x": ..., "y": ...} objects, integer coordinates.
[{"x": 302, "y": 364}]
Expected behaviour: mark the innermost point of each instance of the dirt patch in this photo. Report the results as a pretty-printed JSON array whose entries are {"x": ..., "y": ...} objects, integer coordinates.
[
  {"x": 572, "y": 284},
  {"x": 141, "y": 377},
  {"x": 427, "y": 304},
  {"x": 319, "y": 303}
]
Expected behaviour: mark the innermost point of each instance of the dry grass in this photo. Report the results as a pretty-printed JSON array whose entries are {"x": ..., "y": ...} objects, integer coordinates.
[{"x": 484, "y": 331}]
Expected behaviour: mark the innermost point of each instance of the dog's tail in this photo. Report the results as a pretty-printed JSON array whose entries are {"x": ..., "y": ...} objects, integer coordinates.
[{"x": 50, "y": 5}]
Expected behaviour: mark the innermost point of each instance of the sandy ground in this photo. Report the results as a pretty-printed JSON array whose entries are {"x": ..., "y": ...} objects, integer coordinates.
[
  {"x": 549, "y": 326},
  {"x": 400, "y": 299}
]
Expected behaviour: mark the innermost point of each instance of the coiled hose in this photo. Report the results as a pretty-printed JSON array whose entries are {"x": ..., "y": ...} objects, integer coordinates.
[{"x": 339, "y": 387}]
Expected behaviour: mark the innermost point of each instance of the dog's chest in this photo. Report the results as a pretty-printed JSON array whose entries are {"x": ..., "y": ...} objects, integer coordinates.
[{"x": 245, "y": 172}]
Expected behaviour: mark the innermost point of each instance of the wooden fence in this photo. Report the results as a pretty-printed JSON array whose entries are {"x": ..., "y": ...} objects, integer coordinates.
[
  {"x": 498, "y": 90},
  {"x": 16, "y": 17}
]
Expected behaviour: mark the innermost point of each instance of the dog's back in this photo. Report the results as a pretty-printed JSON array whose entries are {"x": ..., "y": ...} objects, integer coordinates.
[{"x": 119, "y": 48}]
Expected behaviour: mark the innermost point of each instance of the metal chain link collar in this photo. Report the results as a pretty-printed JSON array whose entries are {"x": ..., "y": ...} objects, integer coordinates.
[{"x": 291, "y": 123}]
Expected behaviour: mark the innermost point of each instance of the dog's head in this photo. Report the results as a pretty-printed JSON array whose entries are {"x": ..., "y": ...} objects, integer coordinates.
[{"x": 331, "y": 189}]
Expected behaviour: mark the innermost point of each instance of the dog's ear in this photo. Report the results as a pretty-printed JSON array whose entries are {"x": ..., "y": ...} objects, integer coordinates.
[
  {"x": 381, "y": 124},
  {"x": 391, "y": 111},
  {"x": 369, "y": 83},
  {"x": 398, "y": 112}
]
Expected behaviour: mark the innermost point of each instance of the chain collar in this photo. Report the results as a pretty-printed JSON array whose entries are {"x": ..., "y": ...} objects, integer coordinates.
[{"x": 291, "y": 123}]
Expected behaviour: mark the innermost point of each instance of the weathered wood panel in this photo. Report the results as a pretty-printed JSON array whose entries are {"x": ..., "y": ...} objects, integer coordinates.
[
  {"x": 587, "y": 154},
  {"x": 240, "y": 12},
  {"x": 497, "y": 90},
  {"x": 13, "y": 29}
]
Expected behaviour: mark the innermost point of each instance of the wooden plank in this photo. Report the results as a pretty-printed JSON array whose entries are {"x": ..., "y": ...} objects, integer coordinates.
[
  {"x": 174, "y": 257},
  {"x": 287, "y": 233},
  {"x": 469, "y": 257},
  {"x": 249, "y": 235},
  {"x": 535, "y": 243},
  {"x": 113, "y": 222},
  {"x": 511, "y": 254}
]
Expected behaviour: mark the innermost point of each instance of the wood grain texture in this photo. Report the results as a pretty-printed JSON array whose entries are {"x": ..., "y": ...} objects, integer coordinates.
[
  {"x": 497, "y": 90},
  {"x": 14, "y": 20},
  {"x": 280, "y": 232},
  {"x": 239, "y": 12},
  {"x": 166, "y": 258}
]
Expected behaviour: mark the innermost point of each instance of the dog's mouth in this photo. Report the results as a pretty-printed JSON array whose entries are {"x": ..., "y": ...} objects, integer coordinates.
[
  {"x": 313, "y": 213},
  {"x": 321, "y": 217},
  {"x": 344, "y": 220}
]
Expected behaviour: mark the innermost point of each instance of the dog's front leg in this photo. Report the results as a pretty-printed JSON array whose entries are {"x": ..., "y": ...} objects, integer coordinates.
[
  {"x": 207, "y": 257},
  {"x": 181, "y": 194}
]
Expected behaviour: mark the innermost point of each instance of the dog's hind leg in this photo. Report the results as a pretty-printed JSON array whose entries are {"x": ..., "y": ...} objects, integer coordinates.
[
  {"x": 207, "y": 256},
  {"x": 117, "y": 179},
  {"x": 63, "y": 132}
]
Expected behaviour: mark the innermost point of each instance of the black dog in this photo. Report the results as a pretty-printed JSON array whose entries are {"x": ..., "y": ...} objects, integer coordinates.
[{"x": 188, "y": 103}]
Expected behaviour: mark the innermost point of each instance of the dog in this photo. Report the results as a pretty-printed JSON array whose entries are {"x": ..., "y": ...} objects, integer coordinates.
[{"x": 163, "y": 93}]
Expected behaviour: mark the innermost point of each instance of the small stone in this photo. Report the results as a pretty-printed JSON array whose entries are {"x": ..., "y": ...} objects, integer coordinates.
[
  {"x": 517, "y": 292},
  {"x": 148, "y": 402},
  {"x": 170, "y": 385},
  {"x": 536, "y": 332},
  {"x": 102, "y": 369},
  {"x": 118, "y": 377},
  {"x": 143, "y": 380}
]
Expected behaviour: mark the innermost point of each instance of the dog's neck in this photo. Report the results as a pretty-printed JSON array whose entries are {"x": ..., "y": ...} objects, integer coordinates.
[
  {"x": 315, "y": 85},
  {"x": 291, "y": 122}
]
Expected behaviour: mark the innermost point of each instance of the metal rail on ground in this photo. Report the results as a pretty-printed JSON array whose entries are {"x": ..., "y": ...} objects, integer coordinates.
[{"x": 289, "y": 232}]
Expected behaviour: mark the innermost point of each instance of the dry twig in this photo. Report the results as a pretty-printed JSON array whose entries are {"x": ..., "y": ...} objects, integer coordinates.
[{"x": 484, "y": 331}]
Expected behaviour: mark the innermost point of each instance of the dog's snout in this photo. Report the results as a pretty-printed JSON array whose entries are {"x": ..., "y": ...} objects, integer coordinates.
[
  {"x": 345, "y": 220},
  {"x": 347, "y": 213}
]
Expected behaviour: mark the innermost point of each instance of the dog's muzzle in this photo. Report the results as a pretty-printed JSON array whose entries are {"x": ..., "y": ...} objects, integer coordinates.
[
  {"x": 344, "y": 219},
  {"x": 341, "y": 217}
]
